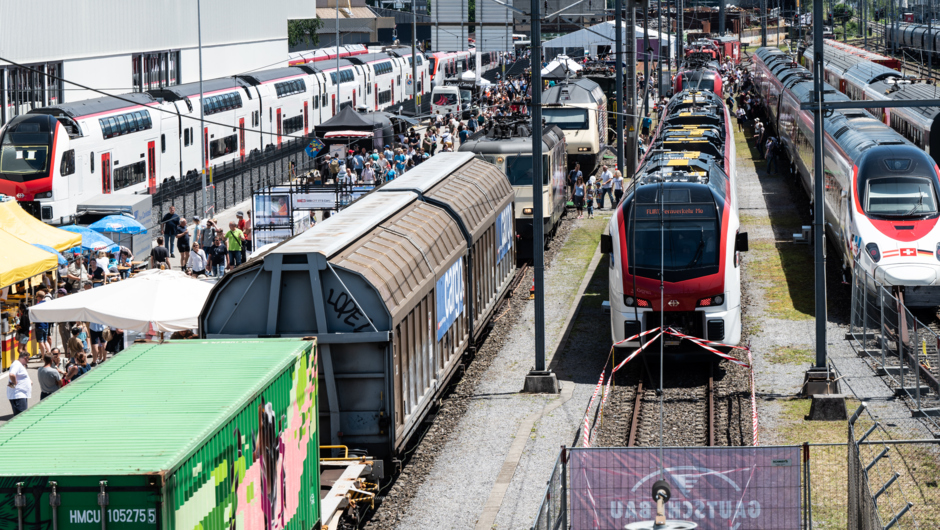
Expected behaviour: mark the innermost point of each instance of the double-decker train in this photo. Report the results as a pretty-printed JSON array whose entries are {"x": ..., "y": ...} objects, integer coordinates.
[
  {"x": 861, "y": 76},
  {"x": 507, "y": 143},
  {"x": 678, "y": 229},
  {"x": 53, "y": 158},
  {"x": 881, "y": 197}
]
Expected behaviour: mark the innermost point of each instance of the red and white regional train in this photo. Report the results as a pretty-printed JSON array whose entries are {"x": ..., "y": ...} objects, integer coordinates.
[
  {"x": 680, "y": 220},
  {"x": 54, "y": 158},
  {"x": 881, "y": 190}
]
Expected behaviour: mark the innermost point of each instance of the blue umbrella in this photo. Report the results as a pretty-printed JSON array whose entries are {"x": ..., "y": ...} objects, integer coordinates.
[
  {"x": 92, "y": 240},
  {"x": 62, "y": 260},
  {"x": 119, "y": 224}
]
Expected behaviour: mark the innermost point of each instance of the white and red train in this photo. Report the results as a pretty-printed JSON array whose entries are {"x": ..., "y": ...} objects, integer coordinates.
[
  {"x": 54, "y": 158},
  {"x": 881, "y": 200},
  {"x": 679, "y": 224}
]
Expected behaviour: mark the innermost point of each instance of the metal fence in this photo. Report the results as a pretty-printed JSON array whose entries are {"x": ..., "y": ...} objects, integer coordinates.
[
  {"x": 553, "y": 510},
  {"x": 902, "y": 348},
  {"x": 232, "y": 182}
]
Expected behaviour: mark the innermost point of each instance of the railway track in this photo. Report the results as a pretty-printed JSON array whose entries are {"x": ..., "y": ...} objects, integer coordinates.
[{"x": 702, "y": 406}]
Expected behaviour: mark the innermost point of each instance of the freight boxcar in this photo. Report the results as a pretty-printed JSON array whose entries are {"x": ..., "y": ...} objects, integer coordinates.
[
  {"x": 395, "y": 287},
  {"x": 183, "y": 435}
]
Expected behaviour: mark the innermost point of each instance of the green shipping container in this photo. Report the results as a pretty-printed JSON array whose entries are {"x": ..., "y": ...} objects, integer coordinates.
[{"x": 187, "y": 435}]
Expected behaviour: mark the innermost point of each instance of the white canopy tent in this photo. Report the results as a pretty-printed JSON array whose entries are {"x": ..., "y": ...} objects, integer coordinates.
[
  {"x": 602, "y": 36},
  {"x": 569, "y": 64},
  {"x": 167, "y": 300}
]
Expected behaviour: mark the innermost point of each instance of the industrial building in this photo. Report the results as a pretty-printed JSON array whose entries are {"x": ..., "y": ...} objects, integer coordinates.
[{"x": 122, "y": 46}]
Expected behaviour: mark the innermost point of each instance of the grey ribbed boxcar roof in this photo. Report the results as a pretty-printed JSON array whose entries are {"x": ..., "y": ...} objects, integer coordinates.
[
  {"x": 99, "y": 105},
  {"x": 475, "y": 191},
  {"x": 573, "y": 91},
  {"x": 337, "y": 232},
  {"x": 551, "y": 135},
  {"x": 271, "y": 75}
]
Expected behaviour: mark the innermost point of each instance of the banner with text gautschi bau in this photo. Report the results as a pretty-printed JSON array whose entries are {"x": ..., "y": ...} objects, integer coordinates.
[{"x": 735, "y": 488}]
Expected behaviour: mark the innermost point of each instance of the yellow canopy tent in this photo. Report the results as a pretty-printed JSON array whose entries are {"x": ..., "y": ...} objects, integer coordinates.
[
  {"x": 19, "y": 260},
  {"x": 18, "y": 222}
]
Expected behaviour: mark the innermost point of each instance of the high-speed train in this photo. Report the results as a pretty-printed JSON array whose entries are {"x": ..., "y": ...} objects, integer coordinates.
[
  {"x": 679, "y": 225},
  {"x": 881, "y": 197},
  {"x": 507, "y": 143},
  {"x": 579, "y": 108},
  {"x": 54, "y": 158}
]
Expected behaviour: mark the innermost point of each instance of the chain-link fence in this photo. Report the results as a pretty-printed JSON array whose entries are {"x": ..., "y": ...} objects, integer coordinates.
[
  {"x": 553, "y": 510},
  {"x": 902, "y": 348}
]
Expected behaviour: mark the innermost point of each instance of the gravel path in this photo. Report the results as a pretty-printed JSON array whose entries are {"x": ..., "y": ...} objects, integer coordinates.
[{"x": 453, "y": 469}]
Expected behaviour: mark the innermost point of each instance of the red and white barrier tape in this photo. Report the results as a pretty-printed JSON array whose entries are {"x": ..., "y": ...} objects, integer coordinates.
[
  {"x": 586, "y": 438},
  {"x": 754, "y": 423},
  {"x": 704, "y": 344}
]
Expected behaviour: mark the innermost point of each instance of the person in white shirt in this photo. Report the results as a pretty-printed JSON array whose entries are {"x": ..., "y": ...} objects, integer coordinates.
[
  {"x": 20, "y": 386},
  {"x": 618, "y": 188},
  {"x": 606, "y": 183},
  {"x": 197, "y": 260},
  {"x": 368, "y": 175}
]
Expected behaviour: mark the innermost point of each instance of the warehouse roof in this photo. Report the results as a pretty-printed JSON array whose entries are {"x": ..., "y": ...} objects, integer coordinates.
[{"x": 144, "y": 411}]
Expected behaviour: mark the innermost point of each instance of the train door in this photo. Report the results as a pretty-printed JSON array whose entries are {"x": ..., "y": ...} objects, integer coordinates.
[
  {"x": 241, "y": 136},
  {"x": 278, "y": 122},
  {"x": 152, "y": 166},
  {"x": 306, "y": 120},
  {"x": 106, "y": 183}
]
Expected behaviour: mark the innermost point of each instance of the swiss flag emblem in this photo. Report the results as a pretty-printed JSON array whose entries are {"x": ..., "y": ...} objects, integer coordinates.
[{"x": 908, "y": 252}]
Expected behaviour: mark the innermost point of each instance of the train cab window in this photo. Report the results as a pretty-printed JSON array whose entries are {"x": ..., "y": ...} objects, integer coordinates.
[
  {"x": 900, "y": 197},
  {"x": 519, "y": 170},
  {"x": 67, "y": 165},
  {"x": 91, "y": 158},
  {"x": 270, "y": 115},
  {"x": 566, "y": 118}
]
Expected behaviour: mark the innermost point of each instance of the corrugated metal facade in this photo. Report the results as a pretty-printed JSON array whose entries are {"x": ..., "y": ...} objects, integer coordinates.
[
  {"x": 64, "y": 29},
  {"x": 494, "y": 32},
  {"x": 450, "y": 27}
]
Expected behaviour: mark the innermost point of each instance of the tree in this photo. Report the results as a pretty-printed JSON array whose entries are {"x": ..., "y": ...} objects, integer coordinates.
[
  {"x": 843, "y": 13},
  {"x": 303, "y": 31}
]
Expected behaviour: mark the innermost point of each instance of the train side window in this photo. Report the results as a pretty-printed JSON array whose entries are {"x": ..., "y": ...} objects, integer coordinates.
[
  {"x": 67, "y": 166},
  {"x": 185, "y": 137},
  {"x": 162, "y": 144},
  {"x": 270, "y": 114}
]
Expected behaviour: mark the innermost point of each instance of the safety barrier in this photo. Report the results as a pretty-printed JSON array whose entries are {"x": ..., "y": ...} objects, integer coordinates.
[
  {"x": 553, "y": 510},
  {"x": 902, "y": 348}
]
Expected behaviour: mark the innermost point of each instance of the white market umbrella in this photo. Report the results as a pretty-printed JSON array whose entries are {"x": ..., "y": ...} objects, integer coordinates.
[{"x": 168, "y": 300}]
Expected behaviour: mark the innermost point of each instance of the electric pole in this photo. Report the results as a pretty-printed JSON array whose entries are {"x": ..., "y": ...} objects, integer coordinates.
[
  {"x": 818, "y": 191},
  {"x": 763, "y": 23},
  {"x": 721, "y": 17},
  {"x": 618, "y": 72},
  {"x": 630, "y": 91}
]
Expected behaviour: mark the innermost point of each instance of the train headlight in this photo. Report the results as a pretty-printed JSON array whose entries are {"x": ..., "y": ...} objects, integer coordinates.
[
  {"x": 711, "y": 301},
  {"x": 584, "y": 149},
  {"x": 527, "y": 211},
  {"x": 44, "y": 195},
  {"x": 873, "y": 252},
  {"x": 630, "y": 301}
]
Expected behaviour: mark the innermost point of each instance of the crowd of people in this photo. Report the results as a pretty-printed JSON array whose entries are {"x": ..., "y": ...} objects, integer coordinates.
[{"x": 205, "y": 248}]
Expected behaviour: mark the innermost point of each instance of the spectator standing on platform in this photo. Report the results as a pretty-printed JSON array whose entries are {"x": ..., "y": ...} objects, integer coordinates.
[
  {"x": 19, "y": 387},
  {"x": 197, "y": 260},
  {"x": 170, "y": 228},
  {"x": 217, "y": 255},
  {"x": 606, "y": 183},
  {"x": 159, "y": 256},
  {"x": 183, "y": 243},
  {"x": 49, "y": 377},
  {"x": 233, "y": 238}
]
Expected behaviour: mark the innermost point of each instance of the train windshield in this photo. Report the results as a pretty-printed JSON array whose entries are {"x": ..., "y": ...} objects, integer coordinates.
[
  {"x": 683, "y": 241},
  {"x": 566, "y": 119},
  {"x": 24, "y": 152},
  {"x": 698, "y": 82},
  {"x": 519, "y": 170},
  {"x": 900, "y": 197}
]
